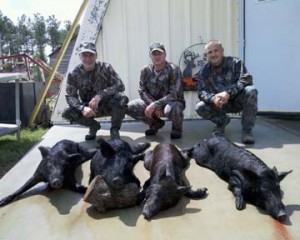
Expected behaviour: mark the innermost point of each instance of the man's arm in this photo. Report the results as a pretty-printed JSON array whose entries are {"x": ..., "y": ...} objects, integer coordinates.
[
  {"x": 241, "y": 78},
  {"x": 72, "y": 93},
  {"x": 204, "y": 93},
  {"x": 175, "y": 88},
  {"x": 114, "y": 82},
  {"x": 145, "y": 96}
]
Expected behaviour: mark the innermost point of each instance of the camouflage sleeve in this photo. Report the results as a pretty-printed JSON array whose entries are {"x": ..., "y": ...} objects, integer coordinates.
[
  {"x": 175, "y": 88},
  {"x": 115, "y": 84},
  {"x": 72, "y": 93},
  {"x": 204, "y": 93},
  {"x": 145, "y": 96},
  {"x": 241, "y": 78}
]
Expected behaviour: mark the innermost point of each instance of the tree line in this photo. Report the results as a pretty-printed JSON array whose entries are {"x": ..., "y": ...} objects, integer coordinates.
[{"x": 32, "y": 35}]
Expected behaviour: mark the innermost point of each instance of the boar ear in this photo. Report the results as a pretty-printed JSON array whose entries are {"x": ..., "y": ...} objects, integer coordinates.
[
  {"x": 138, "y": 157},
  {"x": 44, "y": 151},
  {"x": 139, "y": 148},
  {"x": 106, "y": 150},
  {"x": 181, "y": 190},
  {"x": 187, "y": 153},
  {"x": 148, "y": 159},
  {"x": 74, "y": 157},
  {"x": 282, "y": 175}
]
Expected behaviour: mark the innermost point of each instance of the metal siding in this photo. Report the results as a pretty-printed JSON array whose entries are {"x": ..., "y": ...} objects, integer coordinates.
[
  {"x": 272, "y": 53},
  {"x": 129, "y": 27}
]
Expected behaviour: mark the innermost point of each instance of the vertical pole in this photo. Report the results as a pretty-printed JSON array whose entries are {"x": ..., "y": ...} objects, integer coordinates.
[{"x": 57, "y": 62}]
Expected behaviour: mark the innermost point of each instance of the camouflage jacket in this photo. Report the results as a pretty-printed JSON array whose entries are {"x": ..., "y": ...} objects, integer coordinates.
[
  {"x": 230, "y": 76},
  {"x": 82, "y": 86},
  {"x": 161, "y": 87}
]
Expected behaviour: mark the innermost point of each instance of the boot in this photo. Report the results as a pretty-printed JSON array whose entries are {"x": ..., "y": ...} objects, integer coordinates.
[
  {"x": 92, "y": 131},
  {"x": 175, "y": 134},
  {"x": 114, "y": 133},
  {"x": 154, "y": 127},
  {"x": 247, "y": 136},
  {"x": 176, "y": 131},
  {"x": 221, "y": 126}
]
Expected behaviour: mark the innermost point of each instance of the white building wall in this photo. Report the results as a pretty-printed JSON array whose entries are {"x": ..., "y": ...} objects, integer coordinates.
[
  {"x": 129, "y": 27},
  {"x": 272, "y": 52}
]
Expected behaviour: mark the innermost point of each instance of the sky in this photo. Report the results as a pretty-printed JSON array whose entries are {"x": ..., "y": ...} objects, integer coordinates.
[{"x": 62, "y": 9}]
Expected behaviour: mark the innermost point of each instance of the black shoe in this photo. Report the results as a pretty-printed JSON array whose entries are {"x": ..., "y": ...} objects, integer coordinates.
[
  {"x": 247, "y": 137},
  {"x": 92, "y": 132},
  {"x": 221, "y": 127},
  {"x": 175, "y": 134},
  {"x": 89, "y": 137},
  {"x": 154, "y": 128},
  {"x": 114, "y": 133}
]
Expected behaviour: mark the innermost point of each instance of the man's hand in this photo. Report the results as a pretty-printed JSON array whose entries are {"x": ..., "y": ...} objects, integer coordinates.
[
  {"x": 221, "y": 99},
  {"x": 151, "y": 110},
  {"x": 88, "y": 112},
  {"x": 93, "y": 104}
]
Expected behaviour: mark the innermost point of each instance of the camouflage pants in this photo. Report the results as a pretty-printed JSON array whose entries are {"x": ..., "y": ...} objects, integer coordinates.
[
  {"x": 115, "y": 106},
  {"x": 245, "y": 102},
  {"x": 173, "y": 111}
]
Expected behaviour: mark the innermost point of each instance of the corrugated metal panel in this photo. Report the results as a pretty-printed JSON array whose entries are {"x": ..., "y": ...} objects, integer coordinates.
[{"x": 129, "y": 27}]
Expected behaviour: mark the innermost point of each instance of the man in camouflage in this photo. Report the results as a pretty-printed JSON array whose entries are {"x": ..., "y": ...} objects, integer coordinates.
[
  {"x": 94, "y": 90},
  {"x": 225, "y": 86},
  {"x": 161, "y": 94}
]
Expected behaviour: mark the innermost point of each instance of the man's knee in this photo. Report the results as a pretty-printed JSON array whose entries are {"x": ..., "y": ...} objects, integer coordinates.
[
  {"x": 71, "y": 114},
  {"x": 120, "y": 101},
  {"x": 251, "y": 95},
  {"x": 174, "y": 109},
  {"x": 201, "y": 109}
]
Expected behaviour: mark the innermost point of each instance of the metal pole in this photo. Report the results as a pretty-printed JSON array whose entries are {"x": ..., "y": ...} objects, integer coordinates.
[{"x": 57, "y": 62}]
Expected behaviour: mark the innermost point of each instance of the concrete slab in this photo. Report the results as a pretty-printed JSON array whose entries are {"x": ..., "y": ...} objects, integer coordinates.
[{"x": 61, "y": 214}]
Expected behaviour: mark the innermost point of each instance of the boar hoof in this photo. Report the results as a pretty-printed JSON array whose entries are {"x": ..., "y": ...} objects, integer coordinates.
[
  {"x": 56, "y": 183},
  {"x": 281, "y": 216},
  {"x": 239, "y": 203}
]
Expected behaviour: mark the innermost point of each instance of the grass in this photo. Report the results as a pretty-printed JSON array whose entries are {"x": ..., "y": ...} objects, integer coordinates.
[{"x": 12, "y": 150}]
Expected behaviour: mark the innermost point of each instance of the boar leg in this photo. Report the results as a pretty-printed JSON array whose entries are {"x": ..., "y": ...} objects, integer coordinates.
[
  {"x": 141, "y": 196},
  {"x": 193, "y": 194},
  {"x": 71, "y": 183},
  {"x": 235, "y": 185},
  {"x": 78, "y": 188},
  {"x": 196, "y": 194},
  {"x": 29, "y": 184}
]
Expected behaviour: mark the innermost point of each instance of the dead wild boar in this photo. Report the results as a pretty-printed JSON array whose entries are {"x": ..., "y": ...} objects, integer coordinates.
[
  {"x": 113, "y": 183},
  {"x": 57, "y": 168},
  {"x": 167, "y": 182},
  {"x": 248, "y": 177}
]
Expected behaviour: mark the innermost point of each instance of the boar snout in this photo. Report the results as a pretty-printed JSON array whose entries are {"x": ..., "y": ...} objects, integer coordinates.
[
  {"x": 281, "y": 215},
  {"x": 117, "y": 183},
  {"x": 56, "y": 183}
]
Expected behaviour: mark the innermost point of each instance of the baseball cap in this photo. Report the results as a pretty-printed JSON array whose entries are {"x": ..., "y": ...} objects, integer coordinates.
[
  {"x": 87, "y": 47},
  {"x": 156, "y": 46}
]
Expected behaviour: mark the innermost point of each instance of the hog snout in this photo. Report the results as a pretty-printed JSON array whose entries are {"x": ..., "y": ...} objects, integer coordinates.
[
  {"x": 281, "y": 215},
  {"x": 56, "y": 183},
  {"x": 118, "y": 183},
  {"x": 148, "y": 212}
]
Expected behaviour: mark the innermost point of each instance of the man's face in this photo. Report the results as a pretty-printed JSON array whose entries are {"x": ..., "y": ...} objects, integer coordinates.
[
  {"x": 88, "y": 60},
  {"x": 158, "y": 58},
  {"x": 214, "y": 54}
]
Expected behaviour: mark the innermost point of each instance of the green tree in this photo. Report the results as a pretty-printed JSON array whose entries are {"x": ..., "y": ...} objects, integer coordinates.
[
  {"x": 24, "y": 39},
  {"x": 40, "y": 35},
  {"x": 7, "y": 33},
  {"x": 53, "y": 31}
]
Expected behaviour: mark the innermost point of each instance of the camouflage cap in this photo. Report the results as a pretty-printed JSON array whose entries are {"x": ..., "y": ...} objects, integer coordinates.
[
  {"x": 87, "y": 47},
  {"x": 156, "y": 46}
]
